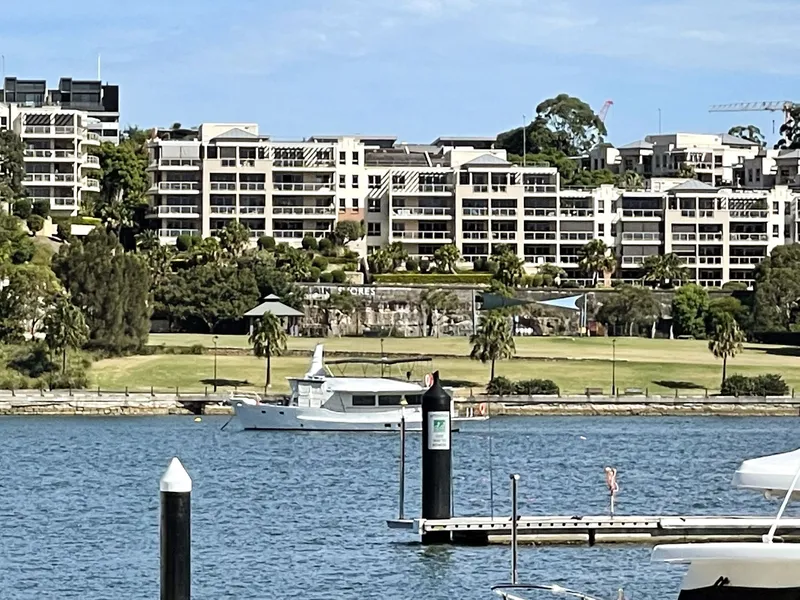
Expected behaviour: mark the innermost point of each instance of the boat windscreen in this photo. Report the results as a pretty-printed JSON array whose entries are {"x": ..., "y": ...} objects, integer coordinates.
[{"x": 378, "y": 361}]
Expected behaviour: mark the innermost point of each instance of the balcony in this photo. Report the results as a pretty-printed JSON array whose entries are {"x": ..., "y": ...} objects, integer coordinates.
[
  {"x": 252, "y": 210},
  {"x": 299, "y": 163},
  {"x": 540, "y": 235},
  {"x": 642, "y": 214},
  {"x": 174, "y": 233},
  {"x": 634, "y": 261},
  {"x": 50, "y": 155},
  {"x": 250, "y": 186},
  {"x": 710, "y": 282},
  {"x": 176, "y": 164},
  {"x": 90, "y": 185},
  {"x": 422, "y": 235},
  {"x": 475, "y": 212},
  {"x": 541, "y": 212},
  {"x": 749, "y": 214},
  {"x": 302, "y": 211},
  {"x": 540, "y": 189},
  {"x": 504, "y": 236},
  {"x": 51, "y": 178},
  {"x": 63, "y": 203},
  {"x": 179, "y": 187},
  {"x": 223, "y": 209},
  {"x": 709, "y": 260},
  {"x": 499, "y": 188},
  {"x": 297, "y": 234},
  {"x": 504, "y": 212},
  {"x": 181, "y": 211},
  {"x": 571, "y": 260},
  {"x": 577, "y": 213},
  {"x": 577, "y": 235},
  {"x": 435, "y": 188},
  {"x": 475, "y": 235},
  {"x": 326, "y": 188},
  {"x": 746, "y": 260},
  {"x": 91, "y": 161},
  {"x": 91, "y": 138},
  {"x": 222, "y": 186},
  {"x": 50, "y": 131},
  {"x": 413, "y": 212},
  {"x": 540, "y": 259},
  {"x": 640, "y": 236},
  {"x": 409, "y": 189},
  {"x": 480, "y": 189},
  {"x": 710, "y": 237},
  {"x": 684, "y": 237},
  {"x": 257, "y": 233},
  {"x": 749, "y": 237}
]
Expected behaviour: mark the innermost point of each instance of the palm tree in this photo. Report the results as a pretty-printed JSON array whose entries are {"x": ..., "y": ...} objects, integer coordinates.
[
  {"x": 268, "y": 338},
  {"x": 65, "y": 327},
  {"x": 493, "y": 340},
  {"x": 662, "y": 269},
  {"x": 727, "y": 341},
  {"x": 446, "y": 258},
  {"x": 597, "y": 258},
  {"x": 631, "y": 180},
  {"x": 435, "y": 302}
]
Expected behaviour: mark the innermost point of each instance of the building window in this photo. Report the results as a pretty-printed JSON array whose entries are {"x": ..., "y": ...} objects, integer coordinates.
[
  {"x": 374, "y": 182},
  {"x": 601, "y": 205},
  {"x": 601, "y": 229},
  {"x": 372, "y": 249},
  {"x": 355, "y": 181},
  {"x": 775, "y": 208},
  {"x": 342, "y": 181},
  {"x": 354, "y": 203},
  {"x": 355, "y": 158},
  {"x": 776, "y": 230},
  {"x": 373, "y": 228},
  {"x": 374, "y": 205},
  {"x": 342, "y": 158},
  {"x": 750, "y": 175},
  {"x": 398, "y": 180},
  {"x": 342, "y": 204}
]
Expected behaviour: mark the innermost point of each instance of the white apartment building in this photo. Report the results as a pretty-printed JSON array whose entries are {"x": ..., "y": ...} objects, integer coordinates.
[
  {"x": 58, "y": 165},
  {"x": 455, "y": 190}
]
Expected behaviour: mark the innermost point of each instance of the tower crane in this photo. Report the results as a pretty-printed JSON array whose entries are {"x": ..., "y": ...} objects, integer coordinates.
[
  {"x": 604, "y": 111},
  {"x": 784, "y": 106}
]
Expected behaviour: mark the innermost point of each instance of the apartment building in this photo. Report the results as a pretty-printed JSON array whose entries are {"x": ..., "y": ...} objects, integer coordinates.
[{"x": 59, "y": 167}]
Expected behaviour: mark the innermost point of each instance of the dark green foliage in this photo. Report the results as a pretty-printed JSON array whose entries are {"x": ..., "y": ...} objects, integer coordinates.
[
  {"x": 776, "y": 305},
  {"x": 347, "y": 231},
  {"x": 22, "y": 208},
  {"x": 628, "y": 308},
  {"x": 734, "y": 286},
  {"x": 12, "y": 166},
  {"x": 112, "y": 289},
  {"x": 41, "y": 207},
  {"x": 15, "y": 245},
  {"x": 724, "y": 305},
  {"x": 339, "y": 276},
  {"x": 64, "y": 231},
  {"x": 30, "y": 366},
  {"x": 326, "y": 277},
  {"x": 185, "y": 242},
  {"x": 314, "y": 275},
  {"x": 412, "y": 265},
  {"x": 320, "y": 262},
  {"x": 35, "y": 223},
  {"x": 689, "y": 310},
  {"x": 484, "y": 265},
  {"x": 266, "y": 242},
  {"x": 325, "y": 245},
  {"x": 770, "y": 384},
  {"x": 534, "y": 387},
  {"x": 500, "y": 386},
  {"x": 310, "y": 243},
  {"x": 435, "y": 278}
]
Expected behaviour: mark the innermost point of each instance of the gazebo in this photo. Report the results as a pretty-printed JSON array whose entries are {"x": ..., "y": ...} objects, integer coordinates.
[{"x": 289, "y": 317}]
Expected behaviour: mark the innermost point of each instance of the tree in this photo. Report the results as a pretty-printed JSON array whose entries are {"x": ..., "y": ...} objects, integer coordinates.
[
  {"x": 12, "y": 166},
  {"x": 509, "y": 267},
  {"x": 41, "y": 207},
  {"x": 16, "y": 245},
  {"x": 726, "y": 342},
  {"x": 294, "y": 261},
  {"x": 24, "y": 301},
  {"x": 790, "y": 131},
  {"x": 346, "y": 232},
  {"x": 35, "y": 224},
  {"x": 776, "y": 305},
  {"x": 629, "y": 307},
  {"x": 273, "y": 280},
  {"x": 596, "y": 258},
  {"x": 337, "y": 307},
  {"x": 268, "y": 339},
  {"x": 664, "y": 269},
  {"x": 748, "y": 132},
  {"x": 22, "y": 208},
  {"x": 446, "y": 258},
  {"x": 687, "y": 171},
  {"x": 122, "y": 202},
  {"x": 689, "y": 309},
  {"x": 492, "y": 341},
  {"x": 436, "y": 302},
  {"x": 380, "y": 261},
  {"x": 631, "y": 180},
  {"x": 720, "y": 308},
  {"x": 65, "y": 327},
  {"x": 234, "y": 238}
]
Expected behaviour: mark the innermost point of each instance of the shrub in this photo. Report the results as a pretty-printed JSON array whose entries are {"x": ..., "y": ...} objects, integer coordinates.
[
  {"x": 734, "y": 286},
  {"x": 424, "y": 265},
  {"x": 325, "y": 245},
  {"x": 64, "y": 231},
  {"x": 761, "y": 385},
  {"x": 314, "y": 274},
  {"x": 533, "y": 387},
  {"x": 35, "y": 223},
  {"x": 538, "y": 280},
  {"x": 501, "y": 386},
  {"x": 351, "y": 266},
  {"x": 22, "y": 208},
  {"x": 84, "y": 220},
  {"x": 185, "y": 242},
  {"x": 350, "y": 254},
  {"x": 435, "y": 278},
  {"x": 320, "y": 262},
  {"x": 41, "y": 207},
  {"x": 339, "y": 276},
  {"x": 412, "y": 266},
  {"x": 570, "y": 284},
  {"x": 73, "y": 379},
  {"x": 266, "y": 242},
  {"x": 326, "y": 277},
  {"x": 310, "y": 243},
  {"x": 547, "y": 280}
]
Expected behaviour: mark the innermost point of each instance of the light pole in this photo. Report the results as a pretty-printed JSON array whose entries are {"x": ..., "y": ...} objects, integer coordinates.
[
  {"x": 216, "y": 339},
  {"x": 614, "y": 367}
]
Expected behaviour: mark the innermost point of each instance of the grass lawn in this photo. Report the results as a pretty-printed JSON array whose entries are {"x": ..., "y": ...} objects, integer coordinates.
[{"x": 659, "y": 365}]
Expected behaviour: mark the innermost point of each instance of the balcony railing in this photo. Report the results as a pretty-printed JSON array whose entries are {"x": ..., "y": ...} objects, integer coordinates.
[
  {"x": 173, "y": 233},
  {"x": 541, "y": 189},
  {"x": 633, "y": 260},
  {"x": 476, "y": 235},
  {"x": 222, "y": 186},
  {"x": 51, "y": 154},
  {"x": 223, "y": 209},
  {"x": 749, "y": 237},
  {"x": 504, "y": 236},
  {"x": 540, "y": 212},
  {"x": 435, "y": 188},
  {"x": 540, "y": 235},
  {"x": 252, "y": 210},
  {"x": 420, "y": 211},
  {"x": 709, "y": 260},
  {"x": 749, "y": 214},
  {"x": 299, "y": 163},
  {"x": 177, "y": 209},
  {"x": 303, "y": 187},
  {"x": 710, "y": 282},
  {"x": 251, "y": 186},
  {"x": 689, "y": 214},
  {"x": 90, "y": 159},
  {"x": 257, "y": 233},
  {"x": 746, "y": 260},
  {"x": 684, "y": 237},
  {"x": 176, "y": 163},
  {"x": 422, "y": 235},
  {"x": 475, "y": 212},
  {"x": 577, "y": 235},
  {"x": 504, "y": 212},
  {"x": 639, "y": 236},
  {"x": 480, "y": 189},
  {"x": 64, "y": 202},
  {"x": 288, "y": 234},
  {"x": 500, "y": 188},
  {"x": 709, "y": 237},
  {"x": 179, "y": 186},
  {"x": 642, "y": 214},
  {"x": 92, "y": 184},
  {"x": 50, "y": 177},
  {"x": 577, "y": 212},
  {"x": 91, "y": 136},
  {"x": 328, "y": 211},
  {"x": 540, "y": 259}
]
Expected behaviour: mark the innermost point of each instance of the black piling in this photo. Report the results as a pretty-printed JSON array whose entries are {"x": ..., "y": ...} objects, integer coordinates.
[
  {"x": 436, "y": 459},
  {"x": 176, "y": 533}
]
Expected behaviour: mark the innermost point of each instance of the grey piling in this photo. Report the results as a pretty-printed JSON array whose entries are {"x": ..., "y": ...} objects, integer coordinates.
[
  {"x": 436, "y": 459},
  {"x": 514, "y": 519},
  {"x": 176, "y": 532},
  {"x": 402, "y": 500}
]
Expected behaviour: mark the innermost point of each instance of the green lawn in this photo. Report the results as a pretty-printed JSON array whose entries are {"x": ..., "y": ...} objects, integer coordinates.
[{"x": 659, "y": 365}]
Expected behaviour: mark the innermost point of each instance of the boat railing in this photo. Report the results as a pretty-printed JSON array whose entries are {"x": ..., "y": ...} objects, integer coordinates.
[{"x": 248, "y": 397}]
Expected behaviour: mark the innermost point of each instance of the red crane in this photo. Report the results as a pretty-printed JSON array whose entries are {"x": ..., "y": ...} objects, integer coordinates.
[{"x": 604, "y": 111}]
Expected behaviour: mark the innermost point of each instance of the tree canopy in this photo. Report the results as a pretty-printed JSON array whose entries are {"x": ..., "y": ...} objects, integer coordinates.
[
  {"x": 776, "y": 304},
  {"x": 12, "y": 166}
]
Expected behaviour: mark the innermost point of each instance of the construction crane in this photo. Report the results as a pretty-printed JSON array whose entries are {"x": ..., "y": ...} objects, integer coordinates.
[
  {"x": 604, "y": 111},
  {"x": 784, "y": 106}
]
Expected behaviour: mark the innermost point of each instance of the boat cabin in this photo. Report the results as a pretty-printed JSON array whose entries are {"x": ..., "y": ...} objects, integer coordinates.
[{"x": 353, "y": 394}]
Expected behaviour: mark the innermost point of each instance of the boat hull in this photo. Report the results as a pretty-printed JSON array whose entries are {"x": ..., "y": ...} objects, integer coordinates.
[{"x": 291, "y": 418}]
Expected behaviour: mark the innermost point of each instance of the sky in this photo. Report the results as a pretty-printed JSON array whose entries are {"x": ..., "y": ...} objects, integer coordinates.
[{"x": 416, "y": 69}]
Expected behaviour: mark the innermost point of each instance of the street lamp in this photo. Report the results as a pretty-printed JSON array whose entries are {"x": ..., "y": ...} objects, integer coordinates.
[
  {"x": 614, "y": 367},
  {"x": 216, "y": 339}
]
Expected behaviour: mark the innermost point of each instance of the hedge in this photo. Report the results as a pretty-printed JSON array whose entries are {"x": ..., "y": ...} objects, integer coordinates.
[
  {"x": 441, "y": 278},
  {"x": 82, "y": 220},
  {"x": 502, "y": 386},
  {"x": 761, "y": 385}
]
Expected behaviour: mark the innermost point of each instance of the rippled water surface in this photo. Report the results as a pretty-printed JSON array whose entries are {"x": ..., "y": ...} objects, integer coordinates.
[{"x": 302, "y": 515}]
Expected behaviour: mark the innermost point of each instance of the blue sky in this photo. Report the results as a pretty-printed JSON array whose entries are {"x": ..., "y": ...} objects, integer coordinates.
[{"x": 416, "y": 68}]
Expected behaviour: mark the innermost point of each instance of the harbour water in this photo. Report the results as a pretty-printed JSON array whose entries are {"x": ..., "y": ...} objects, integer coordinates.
[{"x": 300, "y": 515}]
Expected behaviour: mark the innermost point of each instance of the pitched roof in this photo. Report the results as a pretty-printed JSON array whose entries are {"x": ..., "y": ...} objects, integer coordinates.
[
  {"x": 487, "y": 160},
  {"x": 273, "y": 305},
  {"x": 637, "y": 145},
  {"x": 693, "y": 185},
  {"x": 735, "y": 140},
  {"x": 789, "y": 154},
  {"x": 236, "y": 134}
]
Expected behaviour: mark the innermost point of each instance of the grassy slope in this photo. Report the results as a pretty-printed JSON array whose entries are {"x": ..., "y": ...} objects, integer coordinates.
[{"x": 660, "y": 365}]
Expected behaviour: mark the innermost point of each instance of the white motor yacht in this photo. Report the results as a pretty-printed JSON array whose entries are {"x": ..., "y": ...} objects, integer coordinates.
[{"x": 320, "y": 401}]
